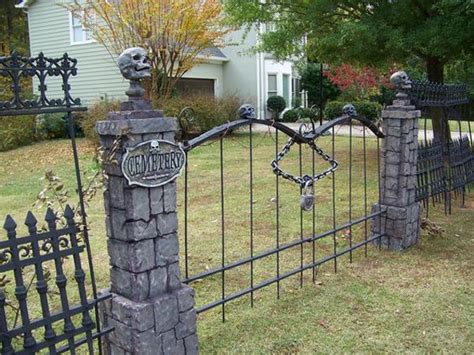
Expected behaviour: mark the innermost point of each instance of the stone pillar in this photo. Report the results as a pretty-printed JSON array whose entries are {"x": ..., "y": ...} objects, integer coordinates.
[
  {"x": 401, "y": 222},
  {"x": 151, "y": 310}
]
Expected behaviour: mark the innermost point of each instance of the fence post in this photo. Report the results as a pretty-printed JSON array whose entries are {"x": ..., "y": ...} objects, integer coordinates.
[
  {"x": 151, "y": 310},
  {"x": 400, "y": 225}
]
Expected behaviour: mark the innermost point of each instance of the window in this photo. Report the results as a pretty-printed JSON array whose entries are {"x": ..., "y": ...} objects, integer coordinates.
[
  {"x": 187, "y": 86},
  {"x": 286, "y": 89},
  {"x": 272, "y": 85},
  {"x": 78, "y": 33}
]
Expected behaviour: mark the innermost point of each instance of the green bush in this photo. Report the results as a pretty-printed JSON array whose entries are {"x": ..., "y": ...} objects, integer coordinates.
[
  {"x": 276, "y": 104},
  {"x": 51, "y": 126},
  {"x": 96, "y": 112},
  {"x": 290, "y": 116},
  {"x": 16, "y": 131},
  {"x": 296, "y": 101},
  {"x": 208, "y": 111},
  {"x": 371, "y": 110},
  {"x": 308, "y": 113}
]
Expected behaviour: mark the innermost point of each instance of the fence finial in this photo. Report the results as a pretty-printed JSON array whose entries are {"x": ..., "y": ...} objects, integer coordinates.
[
  {"x": 349, "y": 110},
  {"x": 247, "y": 112}
]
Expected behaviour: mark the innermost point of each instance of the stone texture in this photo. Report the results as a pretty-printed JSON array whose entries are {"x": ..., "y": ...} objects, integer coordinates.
[
  {"x": 151, "y": 310},
  {"x": 166, "y": 249},
  {"x": 166, "y": 313},
  {"x": 135, "y": 256},
  {"x": 136, "y": 126},
  {"x": 158, "y": 281},
  {"x": 156, "y": 200},
  {"x": 170, "y": 197},
  {"x": 400, "y": 223},
  {"x": 139, "y": 230},
  {"x": 167, "y": 223},
  {"x": 137, "y": 315},
  {"x": 138, "y": 204},
  {"x": 134, "y": 286}
]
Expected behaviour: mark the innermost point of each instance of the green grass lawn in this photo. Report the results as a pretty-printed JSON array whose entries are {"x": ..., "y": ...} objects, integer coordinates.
[
  {"x": 454, "y": 126},
  {"x": 418, "y": 301}
]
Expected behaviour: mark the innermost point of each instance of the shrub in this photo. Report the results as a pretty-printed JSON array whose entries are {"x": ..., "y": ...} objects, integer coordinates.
[
  {"x": 308, "y": 113},
  {"x": 51, "y": 126},
  {"x": 311, "y": 82},
  {"x": 208, "y": 111},
  {"x": 97, "y": 112},
  {"x": 16, "y": 131},
  {"x": 276, "y": 105},
  {"x": 290, "y": 116},
  {"x": 296, "y": 101},
  {"x": 371, "y": 110}
]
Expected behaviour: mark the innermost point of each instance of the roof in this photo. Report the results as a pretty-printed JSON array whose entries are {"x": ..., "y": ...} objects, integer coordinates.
[
  {"x": 23, "y": 3},
  {"x": 213, "y": 52}
]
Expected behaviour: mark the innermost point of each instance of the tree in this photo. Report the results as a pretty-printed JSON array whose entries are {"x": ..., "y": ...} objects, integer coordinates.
[
  {"x": 311, "y": 82},
  {"x": 13, "y": 29},
  {"x": 13, "y": 36},
  {"x": 378, "y": 32},
  {"x": 177, "y": 33}
]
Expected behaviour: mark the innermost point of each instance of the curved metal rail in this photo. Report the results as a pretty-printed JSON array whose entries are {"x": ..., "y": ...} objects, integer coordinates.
[{"x": 221, "y": 130}]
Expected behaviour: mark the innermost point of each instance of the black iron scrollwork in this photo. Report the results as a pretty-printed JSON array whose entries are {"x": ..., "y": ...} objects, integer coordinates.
[{"x": 17, "y": 68}]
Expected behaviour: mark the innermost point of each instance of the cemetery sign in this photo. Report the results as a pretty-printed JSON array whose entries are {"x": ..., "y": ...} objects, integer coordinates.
[{"x": 153, "y": 163}]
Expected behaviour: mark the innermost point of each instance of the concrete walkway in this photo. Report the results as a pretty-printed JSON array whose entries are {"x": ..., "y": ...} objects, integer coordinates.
[{"x": 357, "y": 130}]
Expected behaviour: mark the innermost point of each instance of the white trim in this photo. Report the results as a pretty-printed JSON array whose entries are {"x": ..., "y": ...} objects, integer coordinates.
[
  {"x": 24, "y": 4},
  {"x": 71, "y": 34},
  {"x": 212, "y": 59}
]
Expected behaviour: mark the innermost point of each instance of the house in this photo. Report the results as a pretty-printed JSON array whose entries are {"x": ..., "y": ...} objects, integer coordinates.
[{"x": 227, "y": 71}]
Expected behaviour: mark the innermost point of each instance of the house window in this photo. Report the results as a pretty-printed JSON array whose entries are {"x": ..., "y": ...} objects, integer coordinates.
[
  {"x": 286, "y": 89},
  {"x": 78, "y": 32},
  {"x": 188, "y": 86},
  {"x": 272, "y": 85}
]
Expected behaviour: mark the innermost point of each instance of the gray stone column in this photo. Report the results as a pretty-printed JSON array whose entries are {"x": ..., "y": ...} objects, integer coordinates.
[
  {"x": 401, "y": 222},
  {"x": 151, "y": 310}
]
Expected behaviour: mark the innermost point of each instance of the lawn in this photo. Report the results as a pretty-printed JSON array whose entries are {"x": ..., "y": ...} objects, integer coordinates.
[
  {"x": 419, "y": 301},
  {"x": 455, "y": 126}
]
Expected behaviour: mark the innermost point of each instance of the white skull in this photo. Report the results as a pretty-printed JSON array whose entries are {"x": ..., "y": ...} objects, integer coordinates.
[
  {"x": 246, "y": 111},
  {"x": 154, "y": 146},
  {"x": 349, "y": 110},
  {"x": 400, "y": 80},
  {"x": 133, "y": 64}
]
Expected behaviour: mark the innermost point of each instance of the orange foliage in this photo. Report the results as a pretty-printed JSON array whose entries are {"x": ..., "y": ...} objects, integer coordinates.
[{"x": 176, "y": 32}]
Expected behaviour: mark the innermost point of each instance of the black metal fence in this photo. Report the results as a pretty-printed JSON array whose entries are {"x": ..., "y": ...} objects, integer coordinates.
[
  {"x": 29, "y": 320},
  {"x": 445, "y": 166},
  {"x": 438, "y": 180},
  {"x": 256, "y": 234},
  {"x": 44, "y": 253}
]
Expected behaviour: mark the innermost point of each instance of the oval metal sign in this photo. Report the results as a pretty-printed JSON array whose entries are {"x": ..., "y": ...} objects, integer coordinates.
[{"x": 153, "y": 163}]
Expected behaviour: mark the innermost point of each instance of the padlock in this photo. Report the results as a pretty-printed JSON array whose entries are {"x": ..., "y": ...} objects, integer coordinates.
[{"x": 307, "y": 198}]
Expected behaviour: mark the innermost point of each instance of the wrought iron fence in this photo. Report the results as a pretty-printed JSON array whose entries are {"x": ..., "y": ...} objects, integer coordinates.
[
  {"x": 38, "y": 248},
  {"x": 244, "y": 246},
  {"x": 445, "y": 166},
  {"x": 66, "y": 329}
]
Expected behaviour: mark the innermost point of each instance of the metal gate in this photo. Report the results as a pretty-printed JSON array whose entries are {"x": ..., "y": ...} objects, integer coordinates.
[
  {"x": 47, "y": 297},
  {"x": 257, "y": 211}
]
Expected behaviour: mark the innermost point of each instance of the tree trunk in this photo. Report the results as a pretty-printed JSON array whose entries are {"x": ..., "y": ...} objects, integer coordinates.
[{"x": 435, "y": 69}]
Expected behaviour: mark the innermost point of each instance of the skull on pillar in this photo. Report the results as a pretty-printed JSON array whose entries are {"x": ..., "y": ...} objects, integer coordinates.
[
  {"x": 134, "y": 64},
  {"x": 400, "y": 80}
]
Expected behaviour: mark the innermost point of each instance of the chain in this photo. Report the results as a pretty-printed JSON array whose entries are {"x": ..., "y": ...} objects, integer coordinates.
[{"x": 304, "y": 181}]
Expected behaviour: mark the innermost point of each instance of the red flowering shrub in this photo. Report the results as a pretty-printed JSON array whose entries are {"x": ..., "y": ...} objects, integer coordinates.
[{"x": 355, "y": 83}]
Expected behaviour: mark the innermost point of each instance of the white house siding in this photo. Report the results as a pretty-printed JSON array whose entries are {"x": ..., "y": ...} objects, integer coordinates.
[
  {"x": 240, "y": 72},
  {"x": 279, "y": 69}
]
